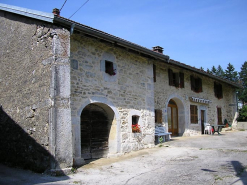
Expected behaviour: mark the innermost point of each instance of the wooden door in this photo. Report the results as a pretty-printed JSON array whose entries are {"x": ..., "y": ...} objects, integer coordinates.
[
  {"x": 94, "y": 132},
  {"x": 172, "y": 113},
  {"x": 202, "y": 120}
]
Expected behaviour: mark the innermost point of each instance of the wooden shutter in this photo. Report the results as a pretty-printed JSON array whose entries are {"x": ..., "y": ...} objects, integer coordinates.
[
  {"x": 219, "y": 115},
  {"x": 170, "y": 76},
  {"x": 158, "y": 116},
  {"x": 154, "y": 72},
  {"x": 220, "y": 91},
  {"x": 181, "y": 77},
  {"x": 193, "y": 114},
  {"x": 198, "y": 85},
  {"x": 192, "y": 81},
  {"x": 176, "y": 79},
  {"x": 215, "y": 90}
]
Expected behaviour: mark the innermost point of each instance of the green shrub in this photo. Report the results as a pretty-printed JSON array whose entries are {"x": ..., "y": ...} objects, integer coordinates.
[{"x": 243, "y": 114}]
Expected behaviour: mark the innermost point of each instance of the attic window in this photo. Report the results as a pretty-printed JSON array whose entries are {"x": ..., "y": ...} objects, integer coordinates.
[
  {"x": 109, "y": 69},
  {"x": 176, "y": 79},
  {"x": 196, "y": 84}
]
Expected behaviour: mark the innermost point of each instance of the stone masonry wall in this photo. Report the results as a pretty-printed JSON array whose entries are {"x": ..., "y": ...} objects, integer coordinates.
[
  {"x": 27, "y": 54},
  {"x": 164, "y": 92},
  {"x": 130, "y": 91}
]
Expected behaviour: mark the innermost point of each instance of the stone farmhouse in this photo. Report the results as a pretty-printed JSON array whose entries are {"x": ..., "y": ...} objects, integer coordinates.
[{"x": 69, "y": 92}]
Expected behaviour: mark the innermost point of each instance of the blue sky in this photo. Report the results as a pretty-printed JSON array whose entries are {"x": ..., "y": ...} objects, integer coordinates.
[{"x": 200, "y": 33}]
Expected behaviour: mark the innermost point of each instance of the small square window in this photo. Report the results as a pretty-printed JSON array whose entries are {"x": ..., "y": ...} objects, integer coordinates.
[
  {"x": 135, "y": 126},
  {"x": 109, "y": 69}
]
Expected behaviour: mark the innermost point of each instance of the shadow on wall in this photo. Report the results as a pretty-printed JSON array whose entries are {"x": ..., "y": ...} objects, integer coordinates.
[{"x": 17, "y": 148}]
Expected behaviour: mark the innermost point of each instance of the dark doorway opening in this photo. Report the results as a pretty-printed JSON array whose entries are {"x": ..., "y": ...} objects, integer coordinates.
[{"x": 95, "y": 129}]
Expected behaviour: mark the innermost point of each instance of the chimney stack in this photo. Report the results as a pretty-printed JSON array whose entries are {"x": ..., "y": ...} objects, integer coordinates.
[
  {"x": 56, "y": 11},
  {"x": 158, "y": 49}
]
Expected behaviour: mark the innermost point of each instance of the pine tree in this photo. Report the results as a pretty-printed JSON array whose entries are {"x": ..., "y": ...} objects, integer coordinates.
[
  {"x": 220, "y": 72},
  {"x": 242, "y": 95},
  {"x": 213, "y": 70},
  {"x": 230, "y": 73}
]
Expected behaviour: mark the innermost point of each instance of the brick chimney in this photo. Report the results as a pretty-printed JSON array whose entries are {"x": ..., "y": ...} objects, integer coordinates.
[
  {"x": 56, "y": 11},
  {"x": 158, "y": 49}
]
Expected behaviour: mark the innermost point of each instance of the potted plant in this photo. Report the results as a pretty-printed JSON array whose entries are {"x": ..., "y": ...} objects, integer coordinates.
[{"x": 136, "y": 128}]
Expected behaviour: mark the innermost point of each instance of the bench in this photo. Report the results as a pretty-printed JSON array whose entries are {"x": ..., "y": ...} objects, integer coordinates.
[{"x": 161, "y": 132}]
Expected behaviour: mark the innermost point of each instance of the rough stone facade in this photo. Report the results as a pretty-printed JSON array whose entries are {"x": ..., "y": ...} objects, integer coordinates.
[
  {"x": 129, "y": 92},
  {"x": 164, "y": 93},
  {"x": 51, "y": 77},
  {"x": 34, "y": 55}
]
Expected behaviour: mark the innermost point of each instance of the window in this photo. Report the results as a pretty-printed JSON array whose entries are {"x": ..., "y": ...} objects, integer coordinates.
[
  {"x": 219, "y": 115},
  {"x": 218, "y": 90},
  {"x": 176, "y": 79},
  {"x": 196, "y": 84},
  {"x": 154, "y": 72},
  {"x": 135, "y": 125},
  {"x": 193, "y": 114},
  {"x": 109, "y": 68},
  {"x": 158, "y": 116}
]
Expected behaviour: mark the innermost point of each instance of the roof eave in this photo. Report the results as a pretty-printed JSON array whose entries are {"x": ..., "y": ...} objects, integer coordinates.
[
  {"x": 205, "y": 74},
  {"x": 48, "y": 17},
  {"x": 111, "y": 38}
]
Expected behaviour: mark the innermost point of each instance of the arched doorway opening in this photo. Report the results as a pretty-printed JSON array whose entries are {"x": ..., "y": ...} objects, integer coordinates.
[
  {"x": 172, "y": 114},
  {"x": 96, "y": 125}
]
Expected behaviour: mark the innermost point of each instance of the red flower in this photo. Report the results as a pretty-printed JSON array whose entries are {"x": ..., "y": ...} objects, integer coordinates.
[{"x": 136, "y": 128}]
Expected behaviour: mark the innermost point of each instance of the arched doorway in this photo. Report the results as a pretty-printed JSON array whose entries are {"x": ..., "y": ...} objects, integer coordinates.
[
  {"x": 96, "y": 121},
  {"x": 172, "y": 114}
]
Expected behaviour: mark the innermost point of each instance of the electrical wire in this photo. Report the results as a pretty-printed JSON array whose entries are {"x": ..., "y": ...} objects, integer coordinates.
[
  {"x": 79, "y": 9},
  {"x": 63, "y": 5}
]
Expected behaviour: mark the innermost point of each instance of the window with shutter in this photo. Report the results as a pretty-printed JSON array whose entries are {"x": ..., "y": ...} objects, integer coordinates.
[
  {"x": 196, "y": 84},
  {"x": 193, "y": 114},
  {"x": 170, "y": 76},
  {"x": 218, "y": 90},
  {"x": 176, "y": 79}
]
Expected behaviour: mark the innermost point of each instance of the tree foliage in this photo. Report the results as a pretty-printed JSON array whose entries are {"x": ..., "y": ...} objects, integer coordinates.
[
  {"x": 243, "y": 114},
  {"x": 242, "y": 94},
  {"x": 230, "y": 73}
]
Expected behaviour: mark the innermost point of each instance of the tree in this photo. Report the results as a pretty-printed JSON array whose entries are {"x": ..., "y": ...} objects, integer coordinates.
[
  {"x": 213, "y": 70},
  {"x": 230, "y": 73},
  {"x": 242, "y": 95},
  {"x": 220, "y": 72}
]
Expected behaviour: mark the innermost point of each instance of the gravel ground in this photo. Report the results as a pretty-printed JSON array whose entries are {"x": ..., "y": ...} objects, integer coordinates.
[{"x": 208, "y": 159}]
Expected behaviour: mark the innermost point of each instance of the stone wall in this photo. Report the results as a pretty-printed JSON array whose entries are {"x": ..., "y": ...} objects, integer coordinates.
[
  {"x": 164, "y": 92},
  {"x": 129, "y": 92},
  {"x": 32, "y": 54}
]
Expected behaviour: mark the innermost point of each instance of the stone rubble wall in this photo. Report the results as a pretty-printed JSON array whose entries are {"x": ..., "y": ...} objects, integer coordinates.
[
  {"x": 130, "y": 90},
  {"x": 164, "y": 92},
  {"x": 29, "y": 50}
]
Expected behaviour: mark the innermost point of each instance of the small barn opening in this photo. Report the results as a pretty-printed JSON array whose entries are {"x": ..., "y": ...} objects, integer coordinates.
[{"x": 96, "y": 122}]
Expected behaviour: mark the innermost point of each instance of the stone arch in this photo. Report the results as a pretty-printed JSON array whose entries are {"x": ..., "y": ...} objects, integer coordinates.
[
  {"x": 114, "y": 132},
  {"x": 182, "y": 117}
]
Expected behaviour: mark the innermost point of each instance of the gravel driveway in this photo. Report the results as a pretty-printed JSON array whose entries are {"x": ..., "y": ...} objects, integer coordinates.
[{"x": 208, "y": 159}]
